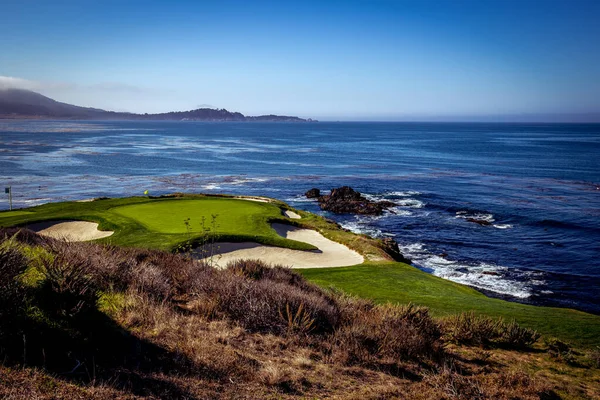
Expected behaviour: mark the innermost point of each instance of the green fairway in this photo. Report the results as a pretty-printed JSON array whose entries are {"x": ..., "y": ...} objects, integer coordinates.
[
  {"x": 232, "y": 216},
  {"x": 14, "y": 213},
  {"x": 167, "y": 223},
  {"x": 401, "y": 283}
]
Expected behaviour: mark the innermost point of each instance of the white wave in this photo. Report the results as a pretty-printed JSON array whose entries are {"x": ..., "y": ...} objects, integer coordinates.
[
  {"x": 502, "y": 226},
  {"x": 211, "y": 186},
  {"x": 400, "y": 211},
  {"x": 241, "y": 181},
  {"x": 407, "y": 193},
  {"x": 361, "y": 225},
  {"x": 300, "y": 199},
  {"x": 478, "y": 216},
  {"x": 390, "y": 196},
  {"x": 485, "y": 276},
  {"x": 371, "y": 197},
  {"x": 411, "y": 203}
]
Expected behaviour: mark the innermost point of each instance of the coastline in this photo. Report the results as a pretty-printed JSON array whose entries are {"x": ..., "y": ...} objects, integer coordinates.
[{"x": 383, "y": 280}]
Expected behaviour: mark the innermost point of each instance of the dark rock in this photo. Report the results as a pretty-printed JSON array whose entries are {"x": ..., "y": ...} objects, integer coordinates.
[
  {"x": 493, "y": 273},
  {"x": 313, "y": 193},
  {"x": 345, "y": 200},
  {"x": 443, "y": 255},
  {"x": 481, "y": 222},
  {"x": 390, "y": 246}
]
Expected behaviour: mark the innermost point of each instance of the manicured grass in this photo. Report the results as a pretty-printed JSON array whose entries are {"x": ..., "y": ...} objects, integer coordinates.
[
  {"x": 232, "y": 216},
  {"x": 167, "y": 223},
  {"x": 401, "y": 283},
  {"x": 15, "y": 213}
]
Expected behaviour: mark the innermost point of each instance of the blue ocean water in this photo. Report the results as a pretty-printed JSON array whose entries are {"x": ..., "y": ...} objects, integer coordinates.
[{"x": 537, "y": 184}]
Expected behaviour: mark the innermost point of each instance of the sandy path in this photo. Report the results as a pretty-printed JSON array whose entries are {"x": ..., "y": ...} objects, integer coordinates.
[
  {"x": 71, "y": 231},
  {"x": 330, "y": 253}
]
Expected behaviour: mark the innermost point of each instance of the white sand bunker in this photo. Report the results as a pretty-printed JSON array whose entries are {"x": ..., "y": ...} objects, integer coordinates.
[
  {"x": 291, "y": 214},
  {"x": 70, "y": 231},
  {"x": 329, "y": 253},
  {"x": 254, "y": 198}
]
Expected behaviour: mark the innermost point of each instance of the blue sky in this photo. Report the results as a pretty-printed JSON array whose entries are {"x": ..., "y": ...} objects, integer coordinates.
[{"x": 349, "y": 60}]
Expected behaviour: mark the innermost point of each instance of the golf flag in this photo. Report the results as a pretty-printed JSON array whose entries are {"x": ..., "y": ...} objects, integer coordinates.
[
  {"x": 6, "y": 190},
  {"x": 145, "y": 192}
]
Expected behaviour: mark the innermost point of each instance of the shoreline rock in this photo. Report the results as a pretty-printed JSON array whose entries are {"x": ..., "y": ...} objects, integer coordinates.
[
  {"x": 390, "y": 246},
  {"x": 345, "y": 200}
]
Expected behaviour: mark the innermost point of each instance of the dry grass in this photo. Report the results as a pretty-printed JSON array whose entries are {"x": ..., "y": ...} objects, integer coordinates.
[
  {"x": 471, "y": 329},
  {"x": 90, "y": 321}
]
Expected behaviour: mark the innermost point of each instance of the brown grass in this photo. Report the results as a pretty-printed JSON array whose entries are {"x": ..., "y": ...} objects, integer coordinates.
[
  {"x": 471, "y": 329},
  {"x": 105, "y": 322}
]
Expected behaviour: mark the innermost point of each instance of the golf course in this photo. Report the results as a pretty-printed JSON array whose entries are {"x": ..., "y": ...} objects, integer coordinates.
[{"x": 178, "y": 223}]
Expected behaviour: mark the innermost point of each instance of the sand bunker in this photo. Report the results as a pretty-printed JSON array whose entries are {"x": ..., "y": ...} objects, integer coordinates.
[
  {"x": 291, "y": 214},
  {"x": 330, "y": 253},
  {"x": 254, "y": 198},
  {"x": 70, "y": 231}
]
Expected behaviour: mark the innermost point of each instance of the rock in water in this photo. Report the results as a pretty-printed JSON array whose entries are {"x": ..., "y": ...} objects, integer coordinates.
[
  {"x": 345, "y": 200},
  {"x": 481, "y": 222},
  {"x": 390, "y": 246},
  {"x": 313, "y": 193}
]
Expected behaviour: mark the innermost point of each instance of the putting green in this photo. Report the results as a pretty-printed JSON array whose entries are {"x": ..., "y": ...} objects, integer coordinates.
[{"x": 196, "y": 216}]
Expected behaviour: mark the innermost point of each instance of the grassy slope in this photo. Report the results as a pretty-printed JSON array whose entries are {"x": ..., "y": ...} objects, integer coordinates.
[
  {"x": 245, "y": 220},
  {"x": 401, "y": 283},
  {"x": 159, "y": 223}
]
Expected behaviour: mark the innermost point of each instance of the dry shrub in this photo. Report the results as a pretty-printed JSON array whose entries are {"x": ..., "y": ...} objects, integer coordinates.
[
  {"x": 68, "y": 287},
  {"x": 283, "y": 377},
  {"x": 560, "y": 350},
  {"x": 387, "y": 334},
  {"x": 471, "y": 329},
  {"x": 448, "y": 383},
  {"x": 594, "y": 357},
  {"x": 258, "y": 270},
  {"x": 13, "y": 299},
  {"x": 23, "y": 235},
  {"x": 196, "y": 345},
  {"x": 265, "y": 305},
  {"x": 468, "y": 328}
]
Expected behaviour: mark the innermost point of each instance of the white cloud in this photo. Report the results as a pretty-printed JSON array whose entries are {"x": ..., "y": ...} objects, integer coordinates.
[{"x": 9, "y": 82}]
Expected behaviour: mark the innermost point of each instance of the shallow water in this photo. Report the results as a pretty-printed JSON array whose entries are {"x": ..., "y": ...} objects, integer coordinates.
[{"x": 538, "y": 185}]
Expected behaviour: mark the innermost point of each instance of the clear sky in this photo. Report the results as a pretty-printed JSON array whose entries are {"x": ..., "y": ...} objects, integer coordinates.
[{"x": 350, "y": 60}]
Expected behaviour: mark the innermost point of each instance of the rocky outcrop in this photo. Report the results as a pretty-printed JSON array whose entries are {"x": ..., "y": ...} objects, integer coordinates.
[
  {"x": 481, "y": 222},
  {"x": 313, "y": 193},
  {"x": 345, "y": 200},
  {"x": 390, "y": 246}
]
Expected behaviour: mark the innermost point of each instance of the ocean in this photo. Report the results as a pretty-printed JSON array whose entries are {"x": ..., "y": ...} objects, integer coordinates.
[{"x": 538, "y": 186}]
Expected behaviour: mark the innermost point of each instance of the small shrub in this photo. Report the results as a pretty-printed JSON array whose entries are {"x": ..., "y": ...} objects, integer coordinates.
[
  {"x": 68, "y": 287},
  {"x": 387, "y": 334},
  {"x": 594, "y": 357},
  {"x": 515, "y": 336},
  {"x": 13, "y": 298},
  {"x": 298, "y": 321},
  {"x": 560, "y": 350},
  {"x": 470, "y": 329}
]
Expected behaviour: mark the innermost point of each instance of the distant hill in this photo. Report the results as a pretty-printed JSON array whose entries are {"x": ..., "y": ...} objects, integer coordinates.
[{"x": 25, "y": 104}]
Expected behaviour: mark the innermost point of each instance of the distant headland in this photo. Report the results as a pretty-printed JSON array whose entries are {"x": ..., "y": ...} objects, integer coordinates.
[{"x": 25, "y": 104}]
